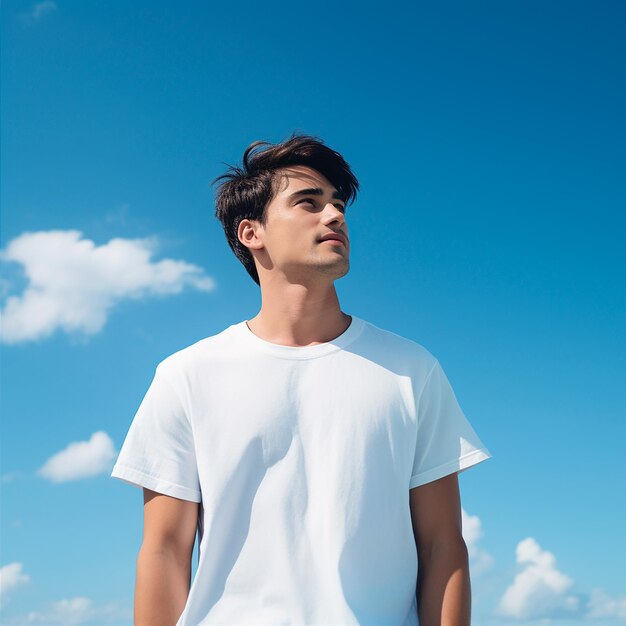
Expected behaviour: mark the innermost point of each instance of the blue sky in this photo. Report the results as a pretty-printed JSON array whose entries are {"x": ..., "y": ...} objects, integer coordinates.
[{"x": 488, "y": 139}]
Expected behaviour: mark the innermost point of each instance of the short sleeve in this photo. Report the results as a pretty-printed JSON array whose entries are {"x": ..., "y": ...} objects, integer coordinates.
[
  {"x": 446, "y": 442},
  {"x": 158, "y": 452}
]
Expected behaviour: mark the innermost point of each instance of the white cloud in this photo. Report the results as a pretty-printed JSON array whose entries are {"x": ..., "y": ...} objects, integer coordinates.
[
  {"x": 11, "y": 577},
  {"x": 41, "y": 8},
  {"x": 480, "y": 560},
  {"x": 540, "y": 590},
  {"x": 601, "y": 606},
  {"x": 72, "y": 283},
  {"x": 80, "y": 459},
  {"x": 73, "y": 611},
  {"x": 78, "y": 610}
]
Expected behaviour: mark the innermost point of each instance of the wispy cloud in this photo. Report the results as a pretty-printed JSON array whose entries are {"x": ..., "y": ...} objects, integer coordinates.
[
  {"x": 602, "y": 606},
  {"x": 117, "y": 215},
  {"x": 41, "y": 8},
  {"x": 77, "y": 610},
  {"x": 480, "y": 560},
  {"x": 9, "y": 477},
  {"x": 11, "y": 577},
  {"x": 80, "y": 459},
  {"x": 73, "y": 284}
]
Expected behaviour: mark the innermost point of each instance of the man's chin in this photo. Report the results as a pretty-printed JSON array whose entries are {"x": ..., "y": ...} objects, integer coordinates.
[{"x": 338, "y": 269}]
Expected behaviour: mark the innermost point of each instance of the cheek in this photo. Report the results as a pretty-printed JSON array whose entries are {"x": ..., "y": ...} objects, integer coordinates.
[
  {"x": 294, "y": 237},
  {"x": 292, "y": 240},
  {"x": 298, "y": 231}
]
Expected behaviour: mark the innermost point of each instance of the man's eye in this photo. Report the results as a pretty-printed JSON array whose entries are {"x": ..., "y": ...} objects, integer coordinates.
[{"x": 312, "y": 202}]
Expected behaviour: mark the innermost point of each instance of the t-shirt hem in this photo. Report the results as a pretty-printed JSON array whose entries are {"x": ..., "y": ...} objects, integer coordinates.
[
  {"x": 138, "y": 478},
  {"x": 458, "y": 465}
]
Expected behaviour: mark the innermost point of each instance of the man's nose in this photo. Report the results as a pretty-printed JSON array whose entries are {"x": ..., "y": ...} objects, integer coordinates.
[{"x": 337, "y": 211}]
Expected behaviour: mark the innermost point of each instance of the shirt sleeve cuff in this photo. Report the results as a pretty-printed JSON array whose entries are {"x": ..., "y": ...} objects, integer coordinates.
[
  {"x": 458, "y": 465},
  {"x": 140, "y": 479}
]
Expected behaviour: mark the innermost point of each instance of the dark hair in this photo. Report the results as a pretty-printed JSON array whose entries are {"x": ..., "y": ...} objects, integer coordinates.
[{"x": 247, "y": 190}]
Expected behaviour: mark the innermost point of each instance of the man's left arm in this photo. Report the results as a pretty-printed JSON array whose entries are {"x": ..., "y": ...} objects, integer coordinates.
[{"x": 443, "y": 581}]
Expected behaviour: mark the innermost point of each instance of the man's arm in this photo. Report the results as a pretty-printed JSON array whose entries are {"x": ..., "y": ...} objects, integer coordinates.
[
  {"x": 443, "y": 580},
  {"x": 164, "y": 560}
]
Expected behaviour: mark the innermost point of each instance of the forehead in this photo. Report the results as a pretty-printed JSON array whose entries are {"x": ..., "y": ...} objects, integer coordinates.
[{"x": 296, "y": 177}]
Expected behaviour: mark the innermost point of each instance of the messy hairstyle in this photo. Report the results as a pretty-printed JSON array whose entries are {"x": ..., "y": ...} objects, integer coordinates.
[{"x": 246, "y": 191}]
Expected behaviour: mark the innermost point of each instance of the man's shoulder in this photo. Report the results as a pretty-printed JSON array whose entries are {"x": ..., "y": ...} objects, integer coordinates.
[
  {"x": 193, "y": 355},
  {"x": 394, "y": 344}
]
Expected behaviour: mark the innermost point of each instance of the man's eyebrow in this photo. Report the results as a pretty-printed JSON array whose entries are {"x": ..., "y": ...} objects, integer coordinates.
[{"x": 313, "y": 191}]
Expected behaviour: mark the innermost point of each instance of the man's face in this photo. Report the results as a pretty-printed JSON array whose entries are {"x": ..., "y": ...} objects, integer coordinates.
[{"x": 305, "y": 209}]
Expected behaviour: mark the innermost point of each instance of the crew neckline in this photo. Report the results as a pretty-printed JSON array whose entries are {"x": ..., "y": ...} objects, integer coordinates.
[{"x": 302, "y": 352}]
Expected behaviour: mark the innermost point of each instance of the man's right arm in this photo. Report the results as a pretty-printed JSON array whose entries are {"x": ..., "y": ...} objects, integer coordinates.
[{"x": 164, "y": 560}]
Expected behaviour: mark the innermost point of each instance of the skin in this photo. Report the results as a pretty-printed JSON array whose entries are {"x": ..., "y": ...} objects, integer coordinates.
[
  {"x": 299, "y": 304},
  {"x": 443, "y": 582},
  {"x": 164, "y": 562},
  {"x": 300, "y": 308}
]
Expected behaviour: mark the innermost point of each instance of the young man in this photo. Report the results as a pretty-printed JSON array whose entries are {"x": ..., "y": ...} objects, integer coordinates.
[{"x": 315, "y": 454}]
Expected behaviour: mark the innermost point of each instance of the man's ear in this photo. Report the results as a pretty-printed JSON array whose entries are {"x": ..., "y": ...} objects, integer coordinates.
[{"x": 250, "y": 233}]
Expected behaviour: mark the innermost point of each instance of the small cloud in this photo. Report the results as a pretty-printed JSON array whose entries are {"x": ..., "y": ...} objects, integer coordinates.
[
  {"x": 118, "y": 215},
  {"x": 601, "y": 605},
  {"x": 36, "y": 12},
  {"x": 11, "y": 577},
  {"x": 41, "y": 8},
  {"x": 72, "y": 284},
  {"x": 73, "y": 611},
  {"x": 480, "y": 560},
  {"x": 77, "y": 610},
  {"x": 540, "y": 590},
  {"x": 9, "y": 477},
  {"x": 80, "y": 459}
]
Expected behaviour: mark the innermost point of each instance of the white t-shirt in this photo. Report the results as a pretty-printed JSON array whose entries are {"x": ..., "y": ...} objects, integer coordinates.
[{"x": 302, "y": 458}]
